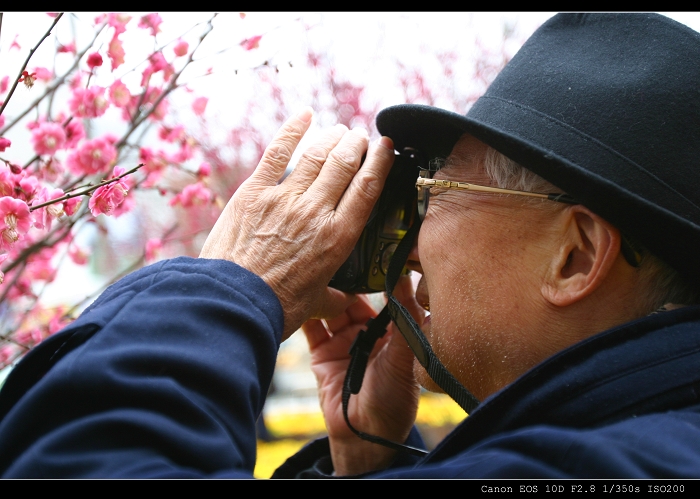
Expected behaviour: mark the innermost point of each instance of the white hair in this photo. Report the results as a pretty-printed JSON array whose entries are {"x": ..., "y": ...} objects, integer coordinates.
[{"x": 664, "y": 283}]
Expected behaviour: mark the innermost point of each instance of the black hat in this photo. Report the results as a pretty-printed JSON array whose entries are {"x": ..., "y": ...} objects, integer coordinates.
[{"x": 604, "y": 106}]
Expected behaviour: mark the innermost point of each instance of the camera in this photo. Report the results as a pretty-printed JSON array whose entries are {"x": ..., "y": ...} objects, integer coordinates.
[{"x": 365, "y": 269}]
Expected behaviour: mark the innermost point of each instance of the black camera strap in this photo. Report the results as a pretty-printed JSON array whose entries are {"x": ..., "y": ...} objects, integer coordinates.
[{"x": 376, "y": 328}]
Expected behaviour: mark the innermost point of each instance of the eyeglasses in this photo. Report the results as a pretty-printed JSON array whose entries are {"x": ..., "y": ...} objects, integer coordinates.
[
  {"x": 632, "y": 255},
  {"x": 423, "y": 185}
]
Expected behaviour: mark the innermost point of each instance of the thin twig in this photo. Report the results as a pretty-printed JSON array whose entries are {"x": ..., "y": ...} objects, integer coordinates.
[
  {"x": 37, "y": 296},
  {"x": 171, "y": 86},
  {"x": 86, "y": 191},
  {"x": 24, "y": 66},
  {"x": 54, "y": 85},
  {"x": 38, "y": 245}
]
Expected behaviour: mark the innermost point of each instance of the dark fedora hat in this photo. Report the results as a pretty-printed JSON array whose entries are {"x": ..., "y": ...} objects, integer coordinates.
[{"x": 604, "y": 106}]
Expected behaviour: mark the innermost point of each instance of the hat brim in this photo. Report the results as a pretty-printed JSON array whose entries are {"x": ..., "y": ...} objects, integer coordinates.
[{"x": 435, "y": 131}]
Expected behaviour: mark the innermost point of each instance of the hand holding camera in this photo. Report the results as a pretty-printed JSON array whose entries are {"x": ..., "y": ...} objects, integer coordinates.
[{"x": 297, "y": 233}]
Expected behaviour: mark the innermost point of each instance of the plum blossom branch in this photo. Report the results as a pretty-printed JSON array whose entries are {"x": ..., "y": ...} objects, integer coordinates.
[
  {"x": 53, "y": 86},
  {"x": 86, "y": 191},
  {"x": 46, "y": 242},
  {"x": 171, "y": 86},
  {"x": 24, "y": 66},
  {"x": 37, "y": 296}
]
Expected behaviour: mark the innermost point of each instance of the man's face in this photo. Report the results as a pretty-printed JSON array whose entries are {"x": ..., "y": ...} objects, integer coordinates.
[{"x": 483, "y": 259}]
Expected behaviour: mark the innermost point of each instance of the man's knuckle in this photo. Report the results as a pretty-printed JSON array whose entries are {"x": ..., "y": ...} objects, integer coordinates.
[
  {"x": 279, "y": 153},
  {"x": 369, "y": 184},
  {"x": 344, "y": 160},
  {"x": 316, "y": 154}
]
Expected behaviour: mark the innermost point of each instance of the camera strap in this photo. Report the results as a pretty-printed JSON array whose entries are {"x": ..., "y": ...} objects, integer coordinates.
[{"x": 376, "y": 328}]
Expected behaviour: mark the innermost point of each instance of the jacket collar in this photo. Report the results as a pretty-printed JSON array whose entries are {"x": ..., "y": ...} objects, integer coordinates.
[{"x": 645, "y": 366}]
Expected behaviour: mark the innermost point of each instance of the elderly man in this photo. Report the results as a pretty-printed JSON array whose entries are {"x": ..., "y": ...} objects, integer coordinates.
[{"x": 543, "y": 283}]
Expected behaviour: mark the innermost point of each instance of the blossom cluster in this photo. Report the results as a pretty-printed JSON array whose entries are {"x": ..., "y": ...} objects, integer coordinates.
[{"x": 41, "y": 198}]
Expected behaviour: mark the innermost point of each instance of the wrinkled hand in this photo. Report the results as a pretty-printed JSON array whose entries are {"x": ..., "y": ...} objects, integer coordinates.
[
  {"x": 295, "y": 235},
  {"x": 387, "y": 403}
]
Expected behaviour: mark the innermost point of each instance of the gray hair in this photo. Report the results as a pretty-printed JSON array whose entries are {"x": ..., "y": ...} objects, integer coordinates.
[{"x": 664, "y": 283}]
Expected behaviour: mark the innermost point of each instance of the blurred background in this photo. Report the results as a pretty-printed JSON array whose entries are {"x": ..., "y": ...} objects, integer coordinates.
[{"x": 240, "y": 77}]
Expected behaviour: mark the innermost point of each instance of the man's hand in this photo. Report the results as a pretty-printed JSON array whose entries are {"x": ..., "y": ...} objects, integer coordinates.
[
  {"x": 387, "y": 403},
  {"x": 295, "y": 235}
]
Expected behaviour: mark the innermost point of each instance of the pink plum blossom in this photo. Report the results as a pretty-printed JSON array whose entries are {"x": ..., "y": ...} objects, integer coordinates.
[
  {"x": 181, "y": 48},
  {"x": 74, "y": 133},
  {"x": 27, "y": 78},
  {"x": 70, "y": 206},
  {"x": 51, "y": 170},
  {"x": 7, "y": 182},
  {"x": 199, "y": 105},
  {"x": 171, "y": 134},
  {"x": 251, "y": 43},
  {"x": 151, "y": 161},
  {"x": 27, "y": 187},
  {"x": 76, "y": 81},
  {"x": 14, "y": 44},
  {"x": 204, "y": 169},
  {"x": 15, "y": 221},
  {"x": 88, "y": 103},
  {"x": 48, "y": 138},
  {"x": 67, "y": 49},
  {"x": 124, "y": 207},
  {"x": 157, "y": 63},
  {"x": 115, "y": 52},
  {"x": 43, "y": 74},
  {"x": 108, "y": 197},
  {"x": 119, "y": 94},
  {"x": 78, "y": 256},
  {"x": 4, "y": 144},
  {"x": 7, "y": 352},
  {"x": 30, "y": 337},
  {"x": 94, "y": 60},
  {"x": 94, "y": 156},
  {"x": 44, "y": 217},
  {"x": 118, "y": 22},
  {"x": 152, "y": 247},
  {"x": 184, "y": 153},
  {"x": 58, "y": 321},
  {"x": 160, "y": 111},
  {"x": 192, "y": 195},
  {"x": 41, "y": 266},
  {"x": 4, "y": 83},
  {"x": 152, "y": 22}
]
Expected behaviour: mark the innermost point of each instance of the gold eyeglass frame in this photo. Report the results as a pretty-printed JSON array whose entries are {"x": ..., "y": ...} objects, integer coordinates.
[
  {"x": 631, "y": 253},
  {"x": 427, "y": 183}
]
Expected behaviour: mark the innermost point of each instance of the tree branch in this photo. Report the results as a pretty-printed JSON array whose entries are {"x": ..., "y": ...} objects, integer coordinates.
[
  {"x": 54, "y": 85},
  {"x": 24, "y": 66},
  {"x": 86, "y": 191}
]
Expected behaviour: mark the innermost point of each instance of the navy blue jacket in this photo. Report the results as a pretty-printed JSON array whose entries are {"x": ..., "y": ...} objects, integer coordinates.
[{"x": 166, "y": 373}]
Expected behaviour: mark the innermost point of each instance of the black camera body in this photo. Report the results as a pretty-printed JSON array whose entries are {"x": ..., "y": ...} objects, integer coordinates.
[{"x": 365, "y": 269}]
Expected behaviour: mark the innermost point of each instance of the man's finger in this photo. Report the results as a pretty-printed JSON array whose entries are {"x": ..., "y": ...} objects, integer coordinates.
[
  {"x": 311, "y": 162},
  {"x": 278, "y": 154},
  {"x": 315, "y": 332},
  {"x": 357, "y": 202},
  {"x": 356, "y": 314},
  {"x": 332, "y": 303},
  {"x": 340, "y": 168}
]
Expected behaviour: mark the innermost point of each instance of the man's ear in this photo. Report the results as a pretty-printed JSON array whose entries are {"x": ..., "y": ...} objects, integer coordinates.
[{"x": 589, "y": 247}]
